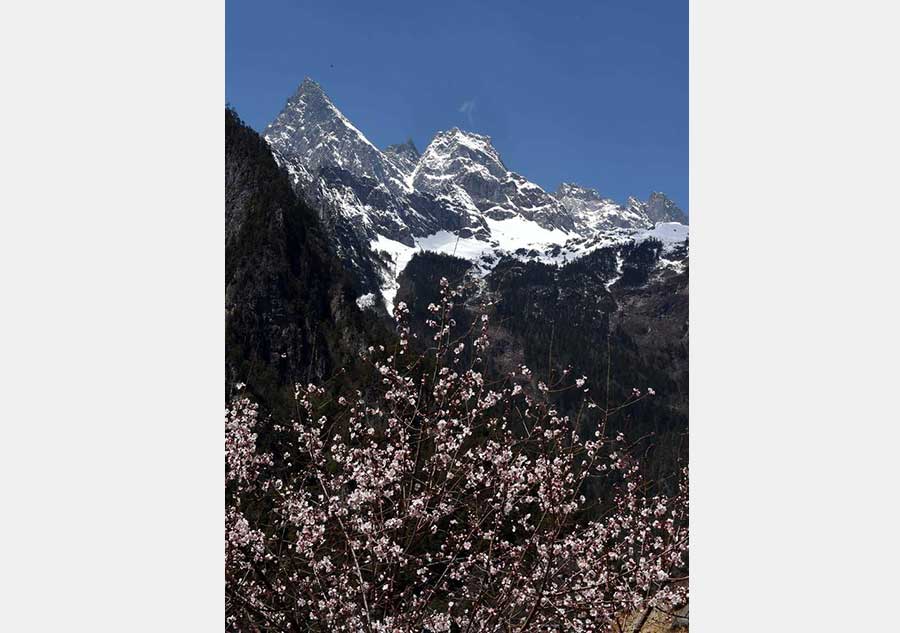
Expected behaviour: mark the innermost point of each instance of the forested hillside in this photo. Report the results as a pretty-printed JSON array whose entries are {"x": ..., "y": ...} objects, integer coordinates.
[{"x": 290, "y": 314}]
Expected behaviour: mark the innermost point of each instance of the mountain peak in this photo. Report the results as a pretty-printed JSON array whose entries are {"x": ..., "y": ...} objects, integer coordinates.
[
  {"x": 466, "y": 168},
  {"x": 572, "y": 190},
  {"x": 310, "y": 92},
  {"x": 309, "y": 103},
  {"x": 464, "y": 135},
  {"x": 316, "y": 134},
  {"x": 309, "y": 84},
  {"x": 457, "y": 144},
  {"x": 661, "y": 209}
]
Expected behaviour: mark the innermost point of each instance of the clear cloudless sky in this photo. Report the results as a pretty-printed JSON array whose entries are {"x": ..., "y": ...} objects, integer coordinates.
[{"x": 592, "y": 92}]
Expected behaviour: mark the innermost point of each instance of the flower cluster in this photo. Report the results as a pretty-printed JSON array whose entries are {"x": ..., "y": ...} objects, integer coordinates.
[{"x": 438, "y": 500}]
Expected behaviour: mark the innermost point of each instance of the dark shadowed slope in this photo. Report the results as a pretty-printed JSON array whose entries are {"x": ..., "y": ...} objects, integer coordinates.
[{"x": 289, "y": 309}]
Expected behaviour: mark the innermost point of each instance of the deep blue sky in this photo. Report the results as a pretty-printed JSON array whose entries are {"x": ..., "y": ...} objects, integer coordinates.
[{"x": 592, "y": 92}]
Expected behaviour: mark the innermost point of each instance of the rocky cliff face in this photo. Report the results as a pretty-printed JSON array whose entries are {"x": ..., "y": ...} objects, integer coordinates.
[
  {"x": 660, "y": 209},
  {"x": 290, "y": 314},
  {"x": 405, "y": 156},
  {"x": 466, "y": 167},
  {"x": 591, "y": 213}
]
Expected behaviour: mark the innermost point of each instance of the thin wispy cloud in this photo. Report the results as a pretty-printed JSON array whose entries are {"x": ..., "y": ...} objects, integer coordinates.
[{"x": 468, "y": 108}]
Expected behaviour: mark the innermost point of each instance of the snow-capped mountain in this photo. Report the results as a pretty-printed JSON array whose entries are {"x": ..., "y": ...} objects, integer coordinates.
[
  {"x": 457, "y": 197},
  {"x": 465, "y": 167},
  {"x": 591, "y": 212},
  {"x": 311, "y": 127}
]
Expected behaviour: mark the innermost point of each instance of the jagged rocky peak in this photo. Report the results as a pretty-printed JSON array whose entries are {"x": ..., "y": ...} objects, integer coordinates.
[
  {"x": 592, "y": 212},
  {"x": 657, "y": 209},
  {"x": 458, "y": 152},
  {"x": 405, "y": 156},
  {"x": 661, "y": 209},
  {"x": 467, "y": 168},
  {"x": 571, "y": 190},
  {"x": 311, "y": 133},
  {"x": 634, "y": 204},
  {"x": 311, "y": 95}
]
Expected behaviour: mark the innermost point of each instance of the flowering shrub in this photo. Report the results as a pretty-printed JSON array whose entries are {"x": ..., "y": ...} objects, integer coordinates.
[{"x": 438, "y": 500}]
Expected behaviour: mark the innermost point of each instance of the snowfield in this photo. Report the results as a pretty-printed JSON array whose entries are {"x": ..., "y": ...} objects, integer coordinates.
[
  {"x": 668, "y": 233},
  {"x": 508, "y": 236}
]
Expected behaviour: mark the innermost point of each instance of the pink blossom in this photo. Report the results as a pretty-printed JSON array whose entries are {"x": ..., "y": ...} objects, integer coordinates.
[{"x": 437, "y": 500}]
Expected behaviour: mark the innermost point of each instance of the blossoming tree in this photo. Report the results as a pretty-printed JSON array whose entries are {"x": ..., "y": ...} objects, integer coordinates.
[{"x": 436, "y": 500}]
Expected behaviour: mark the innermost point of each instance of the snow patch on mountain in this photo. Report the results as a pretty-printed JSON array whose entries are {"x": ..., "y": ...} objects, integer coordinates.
[
  {"x": 669, "y": 233},
  {"x": 521, "y": 239},
  {"x": 620, "y": 261},
  {"x": 517, "y": 232},
  {"x": 366, "y": 301}
]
